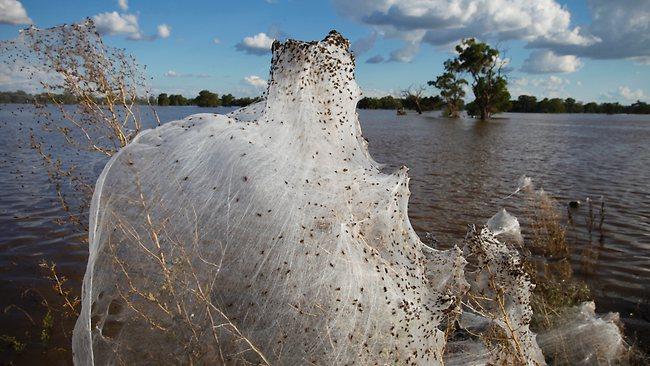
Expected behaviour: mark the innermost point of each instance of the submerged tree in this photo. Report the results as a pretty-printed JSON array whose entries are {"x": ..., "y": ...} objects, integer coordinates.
[
  {"x": 451, "y": 91},
  {"x": 488, "y": 84},
  {"x": 413, "y": 96}
]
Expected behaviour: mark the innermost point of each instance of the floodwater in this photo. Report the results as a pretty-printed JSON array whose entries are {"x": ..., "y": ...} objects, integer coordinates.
[{"x": 460, "y": 172}]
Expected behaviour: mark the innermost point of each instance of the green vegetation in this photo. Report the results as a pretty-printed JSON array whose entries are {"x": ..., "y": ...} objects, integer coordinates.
[
  {"x": 530, "y": 104},
  {"x": 390, "y": 102},
  {"x": 483, "y": 64},
  {"x": 451, "y": 91},
  {"x": 204, "y": 99},
  {"x": 11, "y": 342},
  {"x": 207, "y": 99},
  {"x": 523, "y": 104},
  {"x": 47, "y": 324}
]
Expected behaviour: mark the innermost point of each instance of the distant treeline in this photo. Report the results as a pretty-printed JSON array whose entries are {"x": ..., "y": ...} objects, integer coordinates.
[
  {"x": 204, "y": 99},
  {"x": 389, "y": 102},
  {"x": 523, "y": 104},
  {"x": 530, "y": 104},
  {"x": 21, "y": 97}
]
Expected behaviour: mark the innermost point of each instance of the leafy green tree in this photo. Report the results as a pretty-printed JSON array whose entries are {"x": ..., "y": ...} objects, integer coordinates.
[
  {"x": 556, "y": 105},
  {"x": 611, "y": 108},
  {"x": 177, "y": 99},
  {"x": 163, "y": 99},
  {"x": 227, "y": 100},
  {"x": 526, "y": 104},
  {"x": 639, "y": 108},
  {"x": 451, "y": 91},
  {"x": 591, "y": 108},
  {"x": 472, "y": 108},
  {"x": 432, "y": 103},
  {"x": 483, "y": 64},
  {"x": 207, "y": 99},
  {"x": 571, "y": 106},
  {"x": 389, "y": 102}
]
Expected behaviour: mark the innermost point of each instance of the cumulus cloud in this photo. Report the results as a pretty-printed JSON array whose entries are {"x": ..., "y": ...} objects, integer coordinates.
[
  {"x": 375, "y": 59},
  {"x": 630, "y": 95},
  {"x": 125, "y": 24},
  {"x": 114, "y": 23},
  {"x": 164, "y": 31},
  {"x": 621, "y": 27},
  {"x": 255, "y": 81},
  {"x": 123, "y": 4},
  {"x": 546, "y": 61},
  {"x": 258, "y": 44},
  {"x": 22, "y": 75},
  {"x": 13, "y": 12},
  {"x": 175, "y": 74},
  {"x": 552, "y": 86},
  {"x": 440, "y": 22}
]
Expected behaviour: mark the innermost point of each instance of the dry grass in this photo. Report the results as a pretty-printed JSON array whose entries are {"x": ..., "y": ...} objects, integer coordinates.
[
  {"x": 548, "y": 262},
  {"x": 109, "y": 88}
]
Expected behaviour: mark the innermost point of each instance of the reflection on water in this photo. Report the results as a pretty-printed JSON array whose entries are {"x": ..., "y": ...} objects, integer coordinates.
[{"x": 460, "y": 171}]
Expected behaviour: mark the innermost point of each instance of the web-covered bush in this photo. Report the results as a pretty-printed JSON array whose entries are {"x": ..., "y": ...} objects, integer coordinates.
[{"x": 270, "y": 236}]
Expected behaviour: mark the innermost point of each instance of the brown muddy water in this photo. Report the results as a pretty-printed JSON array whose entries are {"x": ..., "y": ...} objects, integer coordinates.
[{"x": 460, "y": 172}]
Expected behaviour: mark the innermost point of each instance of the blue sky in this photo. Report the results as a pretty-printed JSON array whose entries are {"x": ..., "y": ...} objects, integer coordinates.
[{"x": 586, "y": 49}]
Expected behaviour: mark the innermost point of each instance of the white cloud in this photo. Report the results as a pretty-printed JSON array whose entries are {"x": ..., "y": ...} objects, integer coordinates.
[
  {"x": 440, "y": 22},
  {"x": 641, "y": 60},
  {"x": 23, "y": 75},
  {"x": 175, "y": 74},
  {"x": 114, "y": 23},
  {"x": 255, "y": 81},
  {"x": 125, "y": 24},
  {"x": 551, "y": 87},
  {"x": 13, "y": 12},
  {"x": 622, "y": 28},
  {"x": 546, "y": 61},
  {"x": 628, "y": 94},
  {"x": 164, "y": 31},
  {"x": 216, "y": 40},
  {"x": 258, "y": 44},
  {"x": 123, "y": 4}
]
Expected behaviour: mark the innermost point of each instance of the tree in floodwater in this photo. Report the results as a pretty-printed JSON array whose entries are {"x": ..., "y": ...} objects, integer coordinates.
[
  {"x": 413, "y": 96},
  {"x": 482, "y": 62},
  {"x": 451, "y": 91}
]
